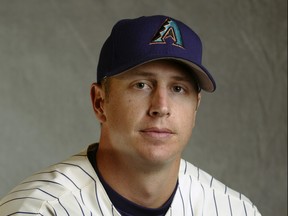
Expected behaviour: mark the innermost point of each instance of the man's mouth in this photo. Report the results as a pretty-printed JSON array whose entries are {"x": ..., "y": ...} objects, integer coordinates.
[{"x": 157, "y": 133}]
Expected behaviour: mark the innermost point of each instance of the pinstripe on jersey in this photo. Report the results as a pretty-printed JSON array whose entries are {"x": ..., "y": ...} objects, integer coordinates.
[{"x": 73, "y": 188}]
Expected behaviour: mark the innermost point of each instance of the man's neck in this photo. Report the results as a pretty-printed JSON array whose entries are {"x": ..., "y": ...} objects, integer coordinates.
[{"x": 147, "y": 186}]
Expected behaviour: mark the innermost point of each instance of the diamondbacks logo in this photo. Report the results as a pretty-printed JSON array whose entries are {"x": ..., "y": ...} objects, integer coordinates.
[{"x": 168, "y": 29}]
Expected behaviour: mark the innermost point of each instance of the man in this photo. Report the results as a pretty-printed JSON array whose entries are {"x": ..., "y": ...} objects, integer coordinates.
[{"x": 146, "y": 98}]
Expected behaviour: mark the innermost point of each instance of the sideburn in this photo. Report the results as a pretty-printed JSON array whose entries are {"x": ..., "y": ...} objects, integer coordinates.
[{"x": 105, "y": 83}]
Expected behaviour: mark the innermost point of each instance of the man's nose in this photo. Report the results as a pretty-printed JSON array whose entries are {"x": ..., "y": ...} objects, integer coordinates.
[{"x": 159, "y": 106}]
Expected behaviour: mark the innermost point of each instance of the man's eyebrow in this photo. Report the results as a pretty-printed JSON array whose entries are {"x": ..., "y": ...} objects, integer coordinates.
[
  {"x": 135, "y": 74},
  {"x": 141, "y": 73},
  {"x": 182, "y": 78}
]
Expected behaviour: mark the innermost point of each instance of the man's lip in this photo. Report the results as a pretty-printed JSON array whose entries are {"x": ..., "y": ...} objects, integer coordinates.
[
  {"x": 157, "y": 130},
  {"x": 156, "y": 133}
]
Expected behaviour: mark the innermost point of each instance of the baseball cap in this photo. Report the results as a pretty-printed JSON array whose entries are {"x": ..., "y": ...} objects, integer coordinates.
[{"x": 133, "y": 42}]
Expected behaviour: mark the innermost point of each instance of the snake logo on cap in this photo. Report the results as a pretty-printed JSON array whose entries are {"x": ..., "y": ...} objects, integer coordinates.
[{"x": 168, "y": 29}]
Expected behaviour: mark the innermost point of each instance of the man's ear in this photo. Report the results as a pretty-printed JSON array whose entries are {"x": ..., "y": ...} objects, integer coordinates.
[
  {"x": 198, "y": 100},
  {"x": 97, "y": 97},
  {"x": 196, "y": 108}
]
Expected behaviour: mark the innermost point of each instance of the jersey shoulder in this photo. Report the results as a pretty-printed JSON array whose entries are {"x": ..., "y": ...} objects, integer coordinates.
[
  {"x": 208, "y": 182},
  {"x": 53, "y": 189},
  {"x": 199, "y": 193}
]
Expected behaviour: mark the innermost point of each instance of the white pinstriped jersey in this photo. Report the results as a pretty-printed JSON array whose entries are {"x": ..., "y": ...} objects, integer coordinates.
[{"x": 72, "y": 187}]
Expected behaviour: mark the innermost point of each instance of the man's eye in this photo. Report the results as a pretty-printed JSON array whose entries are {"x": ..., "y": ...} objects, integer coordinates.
[
  {"x": 140, "y": 85},
  {"x": 178, "y": 89}
]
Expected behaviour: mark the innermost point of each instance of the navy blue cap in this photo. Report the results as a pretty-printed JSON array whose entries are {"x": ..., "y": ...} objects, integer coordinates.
[{"x": 133, "y": 42}]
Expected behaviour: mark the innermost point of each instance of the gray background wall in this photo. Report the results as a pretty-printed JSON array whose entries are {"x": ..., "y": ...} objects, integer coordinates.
[{"x": 48, "y": 55}]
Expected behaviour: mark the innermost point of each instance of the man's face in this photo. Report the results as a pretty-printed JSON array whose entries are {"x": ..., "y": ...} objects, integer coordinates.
[{"x": 150, "y": 112}]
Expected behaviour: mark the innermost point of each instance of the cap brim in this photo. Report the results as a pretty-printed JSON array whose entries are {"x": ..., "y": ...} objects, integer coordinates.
[{"x": 206, "y": 81}]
